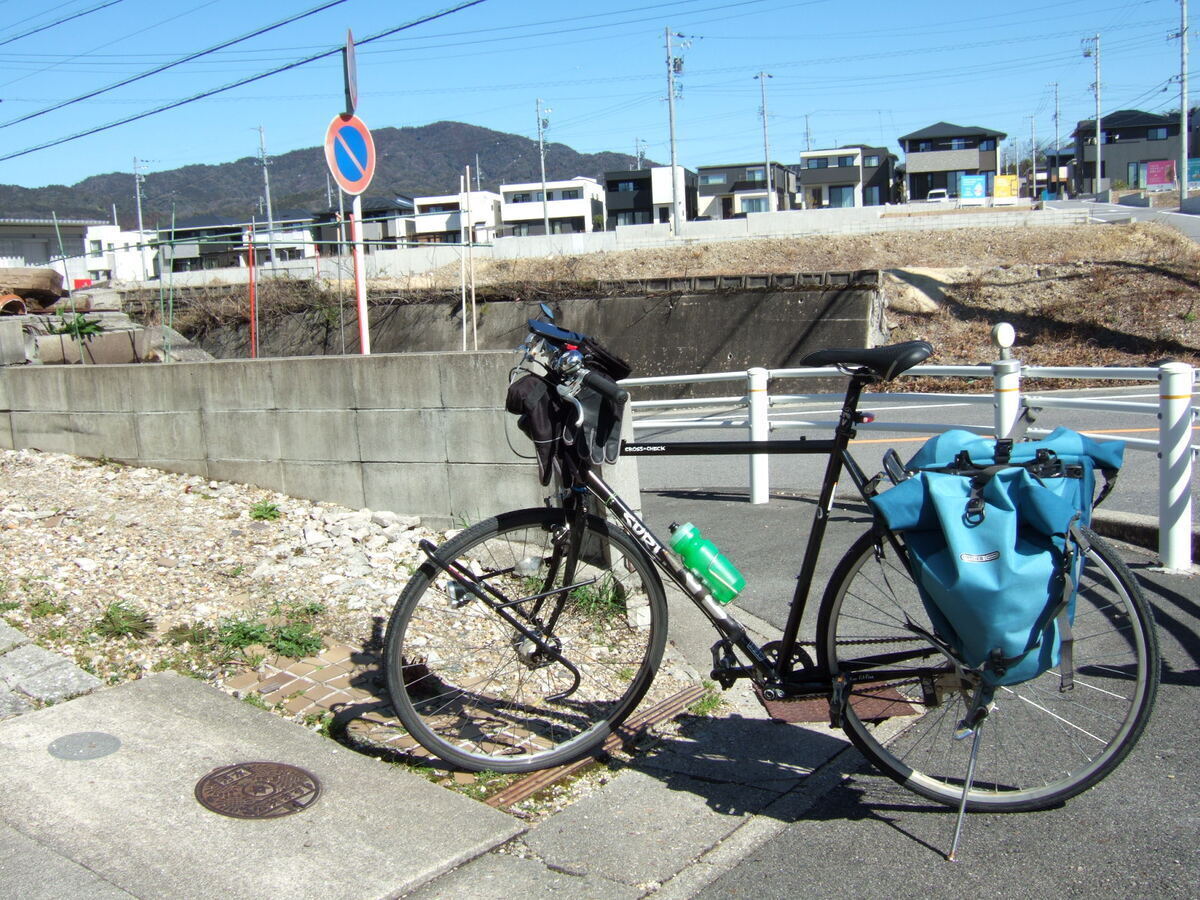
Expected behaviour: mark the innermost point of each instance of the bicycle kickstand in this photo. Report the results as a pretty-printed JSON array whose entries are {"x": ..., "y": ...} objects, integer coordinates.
[{"x": 962, "y": 805}]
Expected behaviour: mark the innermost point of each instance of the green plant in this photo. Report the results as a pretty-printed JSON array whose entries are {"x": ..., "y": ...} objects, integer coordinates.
[
  {"x": 41, "y": 607},
  {"x": 320, "y": 722},
  {"x": 9, "y": 605},
  {"x": 265, "y": 510},
  {"x": 78, "y": 326},
  {"x": 255, "y": 699},
  {"x": 601, "y": 600},
  {"x": 709, "y": 703},
  {"x": 296, "y": 639},
  {"x": 240, "y": 633},
  {"x": 122, "y": 620},
  {"x": 192, "y": 633}
]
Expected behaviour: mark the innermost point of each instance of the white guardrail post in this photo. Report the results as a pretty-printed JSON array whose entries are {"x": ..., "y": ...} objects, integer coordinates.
[
  {"x": 1175, "y": 380},
  {"x": 1006, "y": 395},
  {"x": 760, "y": 430}
]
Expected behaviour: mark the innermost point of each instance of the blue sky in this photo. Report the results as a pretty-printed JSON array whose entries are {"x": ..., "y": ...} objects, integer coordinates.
[{"x": 841, "y": 72}]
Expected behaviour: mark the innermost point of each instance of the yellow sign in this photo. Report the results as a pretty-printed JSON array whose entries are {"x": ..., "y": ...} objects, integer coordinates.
[{"x": 1006, "y": 186}]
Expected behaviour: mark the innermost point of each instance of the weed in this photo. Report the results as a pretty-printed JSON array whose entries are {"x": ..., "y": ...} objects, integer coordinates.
[
  {"x": 295, "y": 639},
  {"x": 601, "y": 600},
  {"x": 486, "y": 784},
  {"x": 240, "y": 633},
  {"x": 236, "y": 572},
  {"x": 626, "y": 673},
  {"x": 58, "y": 634},
  {"x": 709, "y": 703},
  {"x": 9, "y": 605},
  {"x": 255, "y": 699},
  {"x": 265, "y": 510},
  {"x": 121, "y": 620},
  {"x": 42, "y": 607},
  {"x": 321, "y": 723},
  {"x": 192, "y": 633},
  {"x": 253, "y": 660},
  {"x": 78, "y": 326}
]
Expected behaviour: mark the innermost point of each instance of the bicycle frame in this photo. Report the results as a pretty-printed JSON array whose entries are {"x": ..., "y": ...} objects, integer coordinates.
[{"x": 773, "y": 677}]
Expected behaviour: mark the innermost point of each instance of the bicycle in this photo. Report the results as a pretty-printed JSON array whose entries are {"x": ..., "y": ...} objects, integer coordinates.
[{"x": 525, "y": 640}]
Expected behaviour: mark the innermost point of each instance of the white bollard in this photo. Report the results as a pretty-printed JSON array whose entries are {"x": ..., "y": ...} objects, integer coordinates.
[
  {"x": 1175, "y": 416},
  {"x": 760, "y": 430},
  {"x": 1006, "y": 395}
]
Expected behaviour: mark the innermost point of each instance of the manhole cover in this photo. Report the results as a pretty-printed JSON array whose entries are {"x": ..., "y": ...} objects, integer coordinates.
[
  {"x": 258, "y": 790},
  {"x": 84, "y": 745}
]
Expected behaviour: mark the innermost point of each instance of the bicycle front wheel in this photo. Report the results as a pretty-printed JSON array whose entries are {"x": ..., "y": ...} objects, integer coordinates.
[
  {"x": 540, "y": 669},
  {"x": 1039, "y": 745}
]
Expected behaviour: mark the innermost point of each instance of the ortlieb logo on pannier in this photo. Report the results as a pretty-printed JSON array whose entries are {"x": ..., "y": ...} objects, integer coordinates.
[{"x": 991, "y": 533}]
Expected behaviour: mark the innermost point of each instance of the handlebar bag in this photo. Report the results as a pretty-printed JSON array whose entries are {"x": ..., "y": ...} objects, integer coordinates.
[{"x": 994, "y": 548}]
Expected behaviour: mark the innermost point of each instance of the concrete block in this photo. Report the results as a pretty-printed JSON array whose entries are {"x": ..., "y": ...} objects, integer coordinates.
[
  {"x": 473, "y": 380},
  {"x": 477, "y": 436},
  {"x": 508, "y": 875},
  {"x": 313, "y": 382},
  {"x": 6, "y": 435},
  {"x": 109, "y": 435},
  {"x": 479, "y": 491},
  {"x": 4, "y": 404},
  {"x": 99, "y": 389},
  {"x": 160, "y": 388},
  {"x": 132, "y": 819},
  {"x": 10, "y": 637},
  {"x": 317, "y": 434},
  {"x": 335, "y": 482},
  {"x": 12, "y": 341},
  {"x": 11, "y": 704},
  {"x": 240, "y": 434},
  {"x": 398, "y": 381},
  {"x": 236, "y": 384},
  {"x": 268, "y": 474},
  {"x": 420, "y": 489},
  {"x": 51, "y": 431},
  {"x": 170, "y": 435},
  {"x": 112, "y": 349},
  {"x": 402, "y": 435},
  {"x": 38, "y": 388}
]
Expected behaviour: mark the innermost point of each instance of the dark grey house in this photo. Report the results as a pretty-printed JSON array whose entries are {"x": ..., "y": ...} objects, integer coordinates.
[
  {"x": 734, "y": 190},
  {"x": 643, "y": 196},
  {"x": 935, "y": 157},
  {"x": 1132, "y": 140},
  {"x": 853, "y": 175}
]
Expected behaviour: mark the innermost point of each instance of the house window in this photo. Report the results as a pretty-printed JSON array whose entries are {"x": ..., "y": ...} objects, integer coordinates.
[
  {"x": 522, "y": 198},
  {"x": 987, "y": 144},
  {"x": 713, "y": 178},
  {"x": 96, "y": 246},
  {"x": 756, "y": 173},
  {"x": 958, "y": 143},
  {"x": 572, "y": 194},
  {"x": 1156, "y": 134},
  {"x": 520, "y": 229},
  {"x": 871, "y": 196},
  {"x": 626, "y": 187},
  {"x": 924, "y": 146},
  {"x": 754, "y": 204},
  {"x": 841, "y": 195},
  {"x": 633, "y": 217},
  {"x": 816, "y": 162},
  {"x": 845, "y": 161},
  {"x": 870, "y": 160}
]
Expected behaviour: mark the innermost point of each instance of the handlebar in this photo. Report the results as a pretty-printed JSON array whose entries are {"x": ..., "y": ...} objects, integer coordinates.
[{"x": 605, "y": 386}]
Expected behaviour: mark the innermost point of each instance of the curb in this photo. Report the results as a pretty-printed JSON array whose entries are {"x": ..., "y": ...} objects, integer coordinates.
[{"x": 1136, "y": 529}]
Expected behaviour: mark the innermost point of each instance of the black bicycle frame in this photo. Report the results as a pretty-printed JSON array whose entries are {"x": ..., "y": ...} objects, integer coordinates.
[{"x": 837, "y": 451}]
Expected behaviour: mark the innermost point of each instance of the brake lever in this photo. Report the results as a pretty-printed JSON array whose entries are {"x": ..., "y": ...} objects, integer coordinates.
[{"x": 567, "y": 394}]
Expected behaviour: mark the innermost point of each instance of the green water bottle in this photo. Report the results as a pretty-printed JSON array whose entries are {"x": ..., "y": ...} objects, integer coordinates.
[{"x": 706, "y": 562}]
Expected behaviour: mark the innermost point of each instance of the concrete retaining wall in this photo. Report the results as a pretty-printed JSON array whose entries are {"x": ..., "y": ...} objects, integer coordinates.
[{"x": 420, "y": 433}]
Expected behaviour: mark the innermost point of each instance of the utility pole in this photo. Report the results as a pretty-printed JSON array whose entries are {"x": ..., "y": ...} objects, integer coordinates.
[
  {"x": 1094, "y": 52},
  {"x": 138, "y": 178},
  {"x": 674, "y": 67},
  {"x": 807, "y": 134},
  {"x": 762, "y": 83},
  {"x": 542, "y": 124},
  {"x": 262, "y": 149},
  {"x": 1057, "y": 147},
  {"x": 639, "y": 153},
  {"x": 1183, "y": 102},
  {"x": 1033, "y": 157}
]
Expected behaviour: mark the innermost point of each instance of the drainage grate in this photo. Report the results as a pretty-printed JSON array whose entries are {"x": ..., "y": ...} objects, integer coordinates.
[
  {"x": 258, "y": 790},
  {"x": 626, "y": 735}
]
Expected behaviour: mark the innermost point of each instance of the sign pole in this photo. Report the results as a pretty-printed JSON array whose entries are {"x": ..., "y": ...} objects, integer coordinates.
[{"x": 360, "y": 277}]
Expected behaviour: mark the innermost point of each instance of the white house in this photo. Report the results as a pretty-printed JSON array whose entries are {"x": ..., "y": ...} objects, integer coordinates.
[
  {"x": 572, "y": 206},
  {"x": 442, "y": 219},
  {"x": 116, "y": 255}
]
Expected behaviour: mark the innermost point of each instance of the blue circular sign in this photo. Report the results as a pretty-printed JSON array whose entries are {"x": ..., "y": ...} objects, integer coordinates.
[{"x": 350, "y": 153}]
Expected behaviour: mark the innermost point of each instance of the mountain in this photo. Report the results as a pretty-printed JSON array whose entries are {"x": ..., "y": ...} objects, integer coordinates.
[{"x": 422, "y": 161}]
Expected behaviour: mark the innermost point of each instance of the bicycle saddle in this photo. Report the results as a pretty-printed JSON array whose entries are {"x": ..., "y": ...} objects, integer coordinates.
[{"x": 882, "y": 362}]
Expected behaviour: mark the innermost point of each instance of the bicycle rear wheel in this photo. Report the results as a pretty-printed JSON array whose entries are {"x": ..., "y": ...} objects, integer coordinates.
[
  {"x": 532, "y": 676},
  {"x": 1038, "y": 746}
]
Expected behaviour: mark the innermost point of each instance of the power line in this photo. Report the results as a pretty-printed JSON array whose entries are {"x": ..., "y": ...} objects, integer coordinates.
[
  {"x": 228, "y": 87},
  {"x": 48, "y": 26},
  {"x": 165, "y": 66}
]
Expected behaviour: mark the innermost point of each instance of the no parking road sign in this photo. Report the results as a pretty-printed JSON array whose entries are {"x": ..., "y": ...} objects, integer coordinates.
[{"x": 350, "y": 153}]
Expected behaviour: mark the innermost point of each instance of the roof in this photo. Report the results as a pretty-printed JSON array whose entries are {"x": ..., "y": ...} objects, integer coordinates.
[
  {"x": 1128, "y": 118},
  {"x": 945, "y": 129}
]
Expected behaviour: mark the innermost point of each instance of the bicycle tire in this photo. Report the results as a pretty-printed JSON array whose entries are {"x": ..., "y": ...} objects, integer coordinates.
[
  {"x": 474, "y": 691},
  {"x": 1039, "y": 746}
]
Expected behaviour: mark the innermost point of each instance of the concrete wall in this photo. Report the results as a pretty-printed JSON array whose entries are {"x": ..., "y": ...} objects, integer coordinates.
[{"x": 421, "y": 433}]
